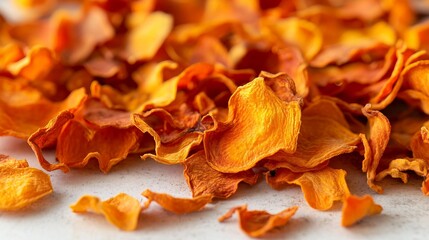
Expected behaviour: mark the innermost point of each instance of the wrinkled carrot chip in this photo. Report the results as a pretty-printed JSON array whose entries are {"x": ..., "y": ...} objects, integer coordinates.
[
  {"x": 321, "y": 188},
  {"x": 177, "y": 205},
  {"x": 122, "y": 210},
  {"x": 356, "y": 208},
  {"x": 378, "y": 136},
  {"x": 247, "y": 127},
  {"x": 202, "y": 179},
  {"x": 228, "y": 89},
  {"x": 80, "y": 136},
  {"x": 258, "y": 223},
  {"x": 324, "y": 119},
  {"x": 21, "y": 185},
  {"x": 398, "y": 167}
]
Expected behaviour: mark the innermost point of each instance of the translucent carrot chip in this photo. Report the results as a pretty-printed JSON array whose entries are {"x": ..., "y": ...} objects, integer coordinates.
[
  {"x": 321, "y": 188},
  {"x": 177, "y": 205},
  {"x": 21, "y": 185},
  {"x": 248, "y": 127},
  {"x": 123, "y": 211},
  {"x": 202, "y": 179},
  {"x": 378, "y": 136},
  {"x": 356, "y": 208},
  {"x": 257, "y": 223}
]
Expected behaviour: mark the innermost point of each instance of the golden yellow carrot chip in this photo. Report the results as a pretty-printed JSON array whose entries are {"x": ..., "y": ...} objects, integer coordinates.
[
  {"x": 153, "y": 31},
  {"x": 255, "y": 116},
  {"x": 257, "y": 223},
  {"x": 177, "y": 205},
  {"x": 21, "y": 185},
  {"x": 356, "y": 208},
  {"x": 204, "y": 180},
  {"x": 321, "y": 188},
  {"x": 123, "y": 211}
]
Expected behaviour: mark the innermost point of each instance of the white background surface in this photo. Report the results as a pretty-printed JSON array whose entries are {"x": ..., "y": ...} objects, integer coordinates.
[{"x": 405, "y": 215}]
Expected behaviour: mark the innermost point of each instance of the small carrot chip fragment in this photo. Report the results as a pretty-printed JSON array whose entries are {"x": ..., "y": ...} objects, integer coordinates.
[
  {"x": 257, "y": 223},
  {"x": 21, "y": 185},
  {"x": 321, "y": 188},
  {"x": 177, "y": 205},
  {"x": 356, "y": 208},
  {"x": 202, "y": 179},
  {"x": 122, "y": 210}
]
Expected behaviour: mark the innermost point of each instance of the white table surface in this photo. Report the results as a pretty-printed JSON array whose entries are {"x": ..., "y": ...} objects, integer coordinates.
[{"x": 405, "y": 215}]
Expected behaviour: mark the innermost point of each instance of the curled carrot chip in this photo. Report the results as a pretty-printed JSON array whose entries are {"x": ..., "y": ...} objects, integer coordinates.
[
  {"x": 227, "y": 145},
  {"x": 177, "y": 205},
  {"x": 171, "y": 152},
  {"x": 122, "y": 210},
  {"x": 202, "y": 179},
  {"x": 80, "y": 136},
  {"x": 257, "y": 223},
  {"x": 398, "y": 167},
  {"x": 378, "y": 136},
  {"x": 356, "y": 208},
  {"x": 21, "y": 185},
  {"x": 321, "y": 188}
]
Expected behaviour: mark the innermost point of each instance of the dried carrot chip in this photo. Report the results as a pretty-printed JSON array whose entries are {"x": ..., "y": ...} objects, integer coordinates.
[
  {"x": 378, "y": 136},
  {"x": 18, "y": 117},
  {"x": 122, "y": 210},
  {"x": 356, "y": 208},
  {"x": 153, "y": 31},
  {"x": 80, "y": 136},
  {"x": 398, "y": 167},
  {"x": 21, "y": 185},
  {"x": 321, "y": 188},
  {"x": 177, "y": 205},
  {"x": 172, "y": 152},
  {"x": 227, "y": 146},
  {"x": 257, "y": 223},
  {"x": 202, "y": 179},
  {"x": 324, "y": 119}
]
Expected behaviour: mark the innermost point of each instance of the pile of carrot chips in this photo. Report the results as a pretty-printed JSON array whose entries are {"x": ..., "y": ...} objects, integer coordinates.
[{"x": 234, "y": 90}]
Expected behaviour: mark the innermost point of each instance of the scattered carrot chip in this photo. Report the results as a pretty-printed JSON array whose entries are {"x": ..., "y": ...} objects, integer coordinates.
[
  {"x": 122, "y": 210},
  {"x": 356, "y": 208},
  {"x": 257, "y": 223},
  {"x": 177, "y": 205},
  {"x": 321, "y": 188},
  {"x": 21, "y": 185}
]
